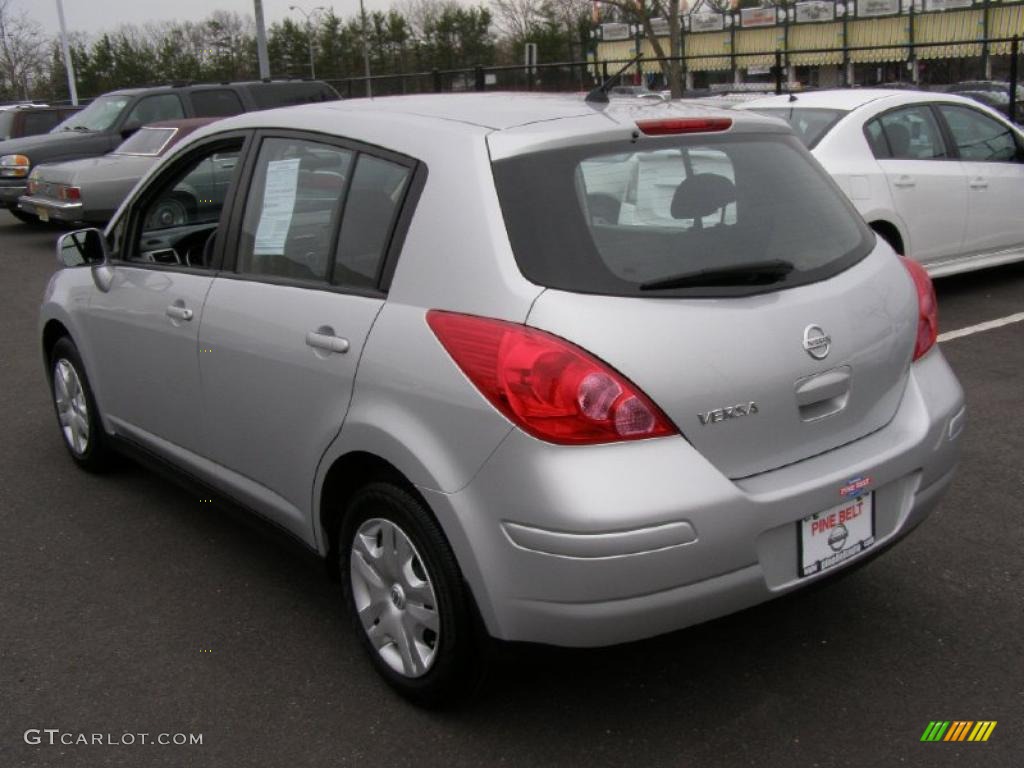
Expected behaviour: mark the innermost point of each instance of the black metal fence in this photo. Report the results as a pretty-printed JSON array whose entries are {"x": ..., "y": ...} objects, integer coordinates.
[{"x": 583, "y": 75}]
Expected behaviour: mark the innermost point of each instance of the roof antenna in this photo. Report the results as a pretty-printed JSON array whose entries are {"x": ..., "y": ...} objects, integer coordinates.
[{"x": 600, "y": 94}]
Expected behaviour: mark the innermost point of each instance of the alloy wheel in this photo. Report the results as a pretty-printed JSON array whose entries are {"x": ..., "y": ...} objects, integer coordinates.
[{"x": 72, "y": 407}]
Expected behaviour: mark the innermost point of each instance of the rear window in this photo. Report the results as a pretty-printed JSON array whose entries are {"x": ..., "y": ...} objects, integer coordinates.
[
  {"x": 609, "y": 219},
  {"x": 809, "y": 124}
]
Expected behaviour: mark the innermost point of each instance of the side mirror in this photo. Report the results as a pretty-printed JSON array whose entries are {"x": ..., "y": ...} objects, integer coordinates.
[
  {"x": 129, "y": 129},
  {"x": 84, "y": 247}
]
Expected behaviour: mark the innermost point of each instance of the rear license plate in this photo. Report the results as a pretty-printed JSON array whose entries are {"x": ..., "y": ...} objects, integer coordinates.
[
  {"x": 834, "y": 536},
  {"x": 44, "y": 215}
]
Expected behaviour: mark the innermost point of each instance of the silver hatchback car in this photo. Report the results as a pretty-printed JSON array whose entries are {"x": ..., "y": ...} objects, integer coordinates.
[{"x": 522, "y": 367}]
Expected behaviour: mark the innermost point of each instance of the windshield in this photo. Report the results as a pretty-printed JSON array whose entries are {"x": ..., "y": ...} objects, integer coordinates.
[
  {"x": 611, "y": 220},
  {"x": 98, "y": 116},
  {"x": 809, "y": 124},
  {"x": 146, "y": 141},
  {"x": 6, "y": 124}
]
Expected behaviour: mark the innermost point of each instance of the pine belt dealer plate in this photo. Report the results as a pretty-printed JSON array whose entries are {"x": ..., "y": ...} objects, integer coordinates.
[
  {"x": 834, "y": 536},
  {"x": 44, "y": 215}
]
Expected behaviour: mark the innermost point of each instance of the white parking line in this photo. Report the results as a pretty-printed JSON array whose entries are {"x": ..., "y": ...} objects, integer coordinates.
[{"x": 987, "y": 326}]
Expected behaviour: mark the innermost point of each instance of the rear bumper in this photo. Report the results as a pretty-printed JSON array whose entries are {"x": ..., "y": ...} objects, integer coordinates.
[
  {"x": 54, "y": 209},
  {"x": 607, "y": 544}
]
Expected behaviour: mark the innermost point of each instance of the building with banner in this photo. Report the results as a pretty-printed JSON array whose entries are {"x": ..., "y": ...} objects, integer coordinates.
[{"x": 831, "y": 42}]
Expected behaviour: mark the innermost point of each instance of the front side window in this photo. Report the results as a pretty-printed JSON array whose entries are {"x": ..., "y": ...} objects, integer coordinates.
[
  {"x": 178, "y": 219},
  {"x": 293, "y": 209},
  {"x": 979, "y": 137},
  {"x": 153, "y": 109},
  {"x": 100, "y": 115},
  {"x": 685, "y": 216},
  {"x": 911, "y": 133}
]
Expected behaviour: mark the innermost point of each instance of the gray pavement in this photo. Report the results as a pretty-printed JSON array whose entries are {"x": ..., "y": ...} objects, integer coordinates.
[{"x": 127, "y": 606}]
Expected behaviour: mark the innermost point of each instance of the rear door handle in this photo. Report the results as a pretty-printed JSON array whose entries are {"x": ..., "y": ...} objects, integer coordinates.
[
  {"x": 904, "y": 181},
  {"x": 178, "y": 312},
  {"x": 327, "y": 341},
  {"x": 979, "y": 184}
]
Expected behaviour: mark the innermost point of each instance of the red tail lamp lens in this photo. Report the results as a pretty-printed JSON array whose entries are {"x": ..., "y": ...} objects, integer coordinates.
[
  {"x": 927, "y": 308},
  {"x": 546, "y": 386}
]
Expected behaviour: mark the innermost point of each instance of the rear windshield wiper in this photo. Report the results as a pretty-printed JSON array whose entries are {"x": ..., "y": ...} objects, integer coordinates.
[{"x": 754, "y": 273}]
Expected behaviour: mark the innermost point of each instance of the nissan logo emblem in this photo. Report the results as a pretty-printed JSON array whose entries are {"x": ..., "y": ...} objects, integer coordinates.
[{"x": 817, "y": 342}]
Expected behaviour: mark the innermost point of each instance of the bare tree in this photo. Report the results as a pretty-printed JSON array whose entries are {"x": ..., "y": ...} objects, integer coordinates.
[
  {"x": 23, "y": 51},
  {"x": 641, "y": 12}
]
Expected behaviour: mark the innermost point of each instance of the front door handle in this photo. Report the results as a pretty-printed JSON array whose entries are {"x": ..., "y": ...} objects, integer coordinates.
[
  {"x": 324, "y": 338},
  {"x": 178, "y": 312},
  {"x": 979, "y": 184},
  {"x": 904, "y": 182}
]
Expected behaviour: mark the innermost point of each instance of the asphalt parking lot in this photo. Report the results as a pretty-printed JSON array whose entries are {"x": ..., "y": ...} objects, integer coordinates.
[{"x": 128, "y": 606}]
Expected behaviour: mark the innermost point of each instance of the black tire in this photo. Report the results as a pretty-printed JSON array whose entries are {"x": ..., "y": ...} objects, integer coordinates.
[
  {"x": 95, "y": 455},
  {"x": 458, "y": 665},
  {"x": 25, "y": 217}
]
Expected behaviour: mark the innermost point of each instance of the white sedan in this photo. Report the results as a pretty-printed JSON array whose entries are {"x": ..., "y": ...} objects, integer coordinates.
[{"x": 939, "y": 176}]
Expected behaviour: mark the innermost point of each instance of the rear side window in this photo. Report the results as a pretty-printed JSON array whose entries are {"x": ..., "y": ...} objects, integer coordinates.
[
  {"x": 610, "y": 219},
  {"x": 41, "y": 121},
  {"x": 216, "y": 103},
  {"x": 378, "y": 188},
  {"x": 809, "y": 124},
  {"x": 979, "y": 137},
  {"x": 876, "y": 140},
  {"x": 6, "y": 124},
  {"x": 911, "y": 133}
]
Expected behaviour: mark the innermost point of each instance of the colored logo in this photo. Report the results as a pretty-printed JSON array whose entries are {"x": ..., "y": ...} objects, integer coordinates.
[
  {"x": 854, "y": 486},
  {"x": 837, "y": 537},
  {"x": 958, "y": 730}
]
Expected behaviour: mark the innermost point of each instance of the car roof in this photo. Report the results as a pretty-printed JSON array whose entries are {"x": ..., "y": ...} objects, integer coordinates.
[
  {"x": 480, "y": 111},
  {"x": 512, "y": 123},
  {"x": 846, "y": 99}
]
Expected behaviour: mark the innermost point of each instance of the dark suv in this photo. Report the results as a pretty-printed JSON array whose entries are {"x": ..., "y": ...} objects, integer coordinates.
[
  {"x": 111, "y": 118},
  {"x": 18, "y": 120}
]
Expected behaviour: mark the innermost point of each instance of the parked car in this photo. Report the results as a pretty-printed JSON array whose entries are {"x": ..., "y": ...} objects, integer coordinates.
[
  {"x": 490, "y": 406},
  {"x": 18, "y": 120},
  {"x": 92, "y": 189},
  {"x": 113, "y": 117},
  {"x": 991, "y": 93},
  {"x": 939, "y": 176}
]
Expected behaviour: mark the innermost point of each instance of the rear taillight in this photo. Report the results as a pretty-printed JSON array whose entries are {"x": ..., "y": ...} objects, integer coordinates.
[
  {"x": 669, "y": 126},
  {"x": 71, "y": 194},
  {"x": 927, "y": 308},
  {"x": 545, "y": 385}
]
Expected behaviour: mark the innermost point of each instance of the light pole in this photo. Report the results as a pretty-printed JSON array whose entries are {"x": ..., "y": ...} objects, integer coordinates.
[
  {"x": 310, "y": 16},
  {"x": 68, "y": 64},
  {"x": 366, "y": 50},
  {"x": 261, "y": 40}
]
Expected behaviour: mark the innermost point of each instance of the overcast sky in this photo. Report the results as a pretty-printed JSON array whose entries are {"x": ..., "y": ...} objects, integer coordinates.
[{"x": 97, "y": 15}]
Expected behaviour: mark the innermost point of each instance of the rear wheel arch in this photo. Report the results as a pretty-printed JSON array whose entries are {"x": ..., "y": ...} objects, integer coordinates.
[
  {"x": 345, "y": 477},
  {"x": 891, "y": 234}
]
